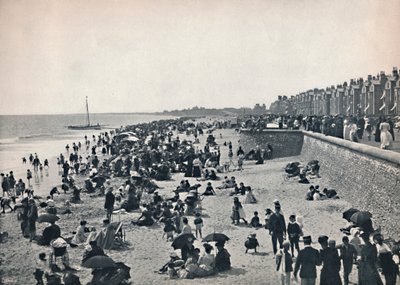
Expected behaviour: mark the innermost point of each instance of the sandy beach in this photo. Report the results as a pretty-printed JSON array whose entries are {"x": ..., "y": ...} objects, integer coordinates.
[{"x": 146, "y": 251}]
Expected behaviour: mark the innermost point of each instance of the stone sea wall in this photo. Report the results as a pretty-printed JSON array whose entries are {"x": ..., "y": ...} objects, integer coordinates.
[
  {"x": 367, "y": 177},
  {"x": 285, "y": 143}
]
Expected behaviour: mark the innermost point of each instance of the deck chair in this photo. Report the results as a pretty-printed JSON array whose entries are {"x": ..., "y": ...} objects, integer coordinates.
[{"x": 119, "y": 232}]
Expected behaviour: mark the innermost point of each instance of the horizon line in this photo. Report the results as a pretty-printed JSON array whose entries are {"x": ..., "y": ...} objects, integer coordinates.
[{"x": 120, "y": 113}]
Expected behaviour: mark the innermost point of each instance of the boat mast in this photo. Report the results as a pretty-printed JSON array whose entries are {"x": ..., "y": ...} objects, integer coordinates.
[{"x": 87, "y": 112}]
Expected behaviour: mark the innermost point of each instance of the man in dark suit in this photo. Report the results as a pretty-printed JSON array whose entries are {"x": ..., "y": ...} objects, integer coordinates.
[
  {"x": 307, "y": 262},
  {"x": 277, "y": 227},
  {"x": 348, "y": 254}
]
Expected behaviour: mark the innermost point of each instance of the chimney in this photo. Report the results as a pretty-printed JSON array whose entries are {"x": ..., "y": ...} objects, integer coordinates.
[
  {"x": 352, "y": 81},
  {"x": 369, "y": 77},
  {"x": 395, "y": 72},
  {"x": 383, "y": 75}
]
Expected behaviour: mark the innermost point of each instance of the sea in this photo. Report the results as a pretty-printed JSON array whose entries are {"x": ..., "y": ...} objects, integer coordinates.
[{"x": 47, "y": 136}]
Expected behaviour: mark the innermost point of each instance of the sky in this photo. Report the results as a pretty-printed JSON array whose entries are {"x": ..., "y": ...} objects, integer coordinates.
[{"x": 146, "y": 56}]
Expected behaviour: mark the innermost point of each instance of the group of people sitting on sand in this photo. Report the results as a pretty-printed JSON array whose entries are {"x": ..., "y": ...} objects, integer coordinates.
[
  {"x": 314, "y": 194},
  {"x": 193, "y": 265}
]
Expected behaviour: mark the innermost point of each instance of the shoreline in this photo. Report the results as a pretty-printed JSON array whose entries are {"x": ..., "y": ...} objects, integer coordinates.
[{"x": 147, "y": 251}]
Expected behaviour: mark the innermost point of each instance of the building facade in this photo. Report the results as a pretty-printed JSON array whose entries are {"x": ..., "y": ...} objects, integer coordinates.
[{"x": 376, "y": 96}]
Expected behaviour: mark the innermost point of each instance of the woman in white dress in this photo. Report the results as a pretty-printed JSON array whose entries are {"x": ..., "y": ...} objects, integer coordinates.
[
  {"x": 346, "y": 130},
  {"x": 353, "y": 131},
  {"x": 386, "y": 137}
]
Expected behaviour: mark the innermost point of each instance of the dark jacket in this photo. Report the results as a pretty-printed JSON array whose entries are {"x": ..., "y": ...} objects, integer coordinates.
[
  {"x": 277, "y": 225},
  {"x": 307, "y": 261},
  {"x": 347, "y": 254},
  {"x": 331, "y": 267},
  {"x": 294, "y": 231},
  {"x": 110, "y": 199},
  {"x": 288, "y": 261}
]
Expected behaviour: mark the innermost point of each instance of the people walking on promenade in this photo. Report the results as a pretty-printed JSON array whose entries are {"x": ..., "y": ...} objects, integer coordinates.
[
  {"x": 284, "y": 264},
  {"x": 330, "y": 264},
  {"x": 348, "y": 255},
  {"x": 307, "y": 263},
  {"x": 277, "y": 228}
]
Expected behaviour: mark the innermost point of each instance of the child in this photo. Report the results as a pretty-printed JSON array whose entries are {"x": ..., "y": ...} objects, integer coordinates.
[
  {"x": 250, "y": 198},
  {"x": 284, "y": 263},
  {"x": 186, "y": 228},
  {"x": 255, "y": 221},
  {"x": 198, "y": 223},
  {"x": 41, "y": 268},
  {"x": 294, "y": 233},
  {"x": 209, "y": 190},
  {"x": 169, "y": 229},
  {"x": 251, "y": 243},
  {"x": 240, "y": 161},
  {"x": 268, "y": 214}
]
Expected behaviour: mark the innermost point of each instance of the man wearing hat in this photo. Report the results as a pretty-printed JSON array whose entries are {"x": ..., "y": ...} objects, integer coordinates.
[
  {"x": 307, "y": 262},
  {"x": 348, "y": 254},
  {"x": 277, "y": 227}
]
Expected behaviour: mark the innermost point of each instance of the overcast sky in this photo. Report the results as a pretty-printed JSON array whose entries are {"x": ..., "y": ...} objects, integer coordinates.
[{"x": 134, "y": 56}]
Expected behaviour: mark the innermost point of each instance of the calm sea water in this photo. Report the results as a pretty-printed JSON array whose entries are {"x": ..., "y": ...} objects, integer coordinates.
[{"x": 47, "y": 135}]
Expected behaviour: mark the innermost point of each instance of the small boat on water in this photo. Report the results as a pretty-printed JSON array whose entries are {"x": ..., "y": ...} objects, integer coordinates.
[{"x": 88, "y": 126}]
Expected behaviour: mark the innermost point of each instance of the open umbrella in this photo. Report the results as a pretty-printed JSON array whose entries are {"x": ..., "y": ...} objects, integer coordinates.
[
  {"x": 99, "y": 261},
  {"x": 130, "y": 139},
  {"x": 348, "y": 213},
  {"x": 218, "y": 237},
  {"x": 99, "y": 179},
  {"x": 360, "y": 217},
  {"x": 181, "y": 240},
  {"x": 47, "y": 218}
]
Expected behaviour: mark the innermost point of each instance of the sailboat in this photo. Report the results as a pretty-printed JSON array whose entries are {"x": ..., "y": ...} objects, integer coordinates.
[{"x": 88, "y": 126}]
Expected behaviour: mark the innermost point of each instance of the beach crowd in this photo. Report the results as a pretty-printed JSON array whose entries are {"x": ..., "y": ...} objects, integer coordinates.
[{"x": 140, "y": 155}]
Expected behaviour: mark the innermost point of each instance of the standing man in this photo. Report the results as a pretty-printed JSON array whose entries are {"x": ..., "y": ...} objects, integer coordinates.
[
  {"x": 109, "y": 203},
  {"x": 5, "y": 184},
  {"x": 32, "y": 218},
  {"x": 348, "y": 254},
  {"x": 277, "y": 228},
  {"x": 307, "y": 262}
]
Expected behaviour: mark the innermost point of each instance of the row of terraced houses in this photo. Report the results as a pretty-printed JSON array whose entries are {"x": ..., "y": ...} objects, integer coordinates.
[{"x": 376, "y": 96}]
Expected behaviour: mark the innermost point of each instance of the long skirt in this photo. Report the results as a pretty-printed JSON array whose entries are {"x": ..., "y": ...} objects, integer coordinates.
[{"x": 196, "y": 171}]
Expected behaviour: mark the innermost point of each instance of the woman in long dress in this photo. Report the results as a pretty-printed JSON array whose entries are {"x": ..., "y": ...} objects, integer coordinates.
[
  {"x": 346, "y": 130},
  {"x": 353, "y": 131},
  {"x": 196, "y": 167},
  {"x": 237, "y": 212},
  {"x": 386, "y": 137},
  {"x": 368, "y": 271}
]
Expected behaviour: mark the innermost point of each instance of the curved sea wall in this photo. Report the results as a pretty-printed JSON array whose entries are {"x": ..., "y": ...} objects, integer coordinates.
[
  {"x": 285, "y": 143},
  {"x": 367, "y": 177}
]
